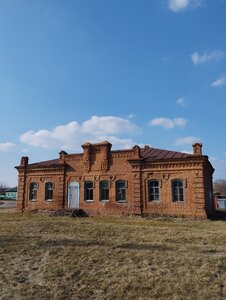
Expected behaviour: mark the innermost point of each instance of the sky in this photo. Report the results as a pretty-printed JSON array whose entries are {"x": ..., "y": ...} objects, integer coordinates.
[{"x": 150, "y": 72}]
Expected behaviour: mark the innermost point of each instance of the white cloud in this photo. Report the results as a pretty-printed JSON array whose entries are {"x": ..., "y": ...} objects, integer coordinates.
[
  {"x": 187, "y": 151},
  {"x": 188, "y": 140},
  {"x": 121, "y": 143},
  {"x": 6, "y": 146},
  {"x": 181, "y": 102},
  {"x": 72, "y": 135},
  {"x": 59, "y": 136},
  {"x": 215, "y": 55},
  {"x": 168, "y": 123},
  {"x": 107, "y": 125},
  {"x": 219, "y": 82},
  {"x": 180, "y": 5}
]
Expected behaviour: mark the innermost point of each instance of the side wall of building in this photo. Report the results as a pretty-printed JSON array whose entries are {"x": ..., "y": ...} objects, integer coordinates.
[
  {"x": 40, "y": 177},
  {"x": 197, "y": 189}
]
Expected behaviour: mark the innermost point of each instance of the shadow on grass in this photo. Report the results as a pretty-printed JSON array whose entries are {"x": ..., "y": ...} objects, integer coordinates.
[
  {"x": 148, "y": 247},
  {"x": 90, "y": 243},
  {"x": 15, "y": 240},
  {"x": 219, "y": 215},
  {"x": 66, "y": 243}
]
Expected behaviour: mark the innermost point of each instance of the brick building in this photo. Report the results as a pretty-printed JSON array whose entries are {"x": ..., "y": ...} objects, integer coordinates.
[{"x": 136, "y": 181}]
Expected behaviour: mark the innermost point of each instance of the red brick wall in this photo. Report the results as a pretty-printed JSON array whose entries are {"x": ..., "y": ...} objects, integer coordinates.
[
  {"x": 98, "y": 164},
  {"x": 119, "y": 169},
  {"x": 195, "y": 202},
  {"x": 41, "y": 177}
]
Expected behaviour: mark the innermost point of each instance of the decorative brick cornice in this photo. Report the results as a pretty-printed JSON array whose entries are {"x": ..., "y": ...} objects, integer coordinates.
[
  {"x": 73, "y": 158},
  {"x": 172, "y": 165},
  {"x": 136, "y": 164},
  {"x": 46, "y": 171}
]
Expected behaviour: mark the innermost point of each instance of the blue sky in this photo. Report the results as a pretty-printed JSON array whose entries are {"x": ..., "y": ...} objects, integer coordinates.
[{"x": 132, "y": 72}]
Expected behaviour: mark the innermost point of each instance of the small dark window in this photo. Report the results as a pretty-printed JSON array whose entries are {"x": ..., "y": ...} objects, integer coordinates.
[
  {"x": 33, "y": 191},
  {"x": 49, "y": 191},
  {"x": 104, "y": 190},
  {"x": 177, "y": 190},
  {"x": 153, "y": 190},
  {"x": 88, "y": 191},
  {"x": 121, "y": 190}
]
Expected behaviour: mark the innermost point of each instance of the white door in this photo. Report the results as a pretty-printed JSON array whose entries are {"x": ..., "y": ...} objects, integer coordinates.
[{"x": 73, "y": 194}]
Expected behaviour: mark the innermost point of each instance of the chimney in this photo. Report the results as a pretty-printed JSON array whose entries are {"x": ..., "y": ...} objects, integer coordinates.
[
  {"x": 136, "y": 151},
  {"x": 197, "y": 149},
  {"x": 62, "y": 155},
  {"x": 24, "y": 161}
]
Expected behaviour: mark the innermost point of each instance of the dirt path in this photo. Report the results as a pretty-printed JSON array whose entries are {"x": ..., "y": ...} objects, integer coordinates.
[{"x": 7, "y": 204}]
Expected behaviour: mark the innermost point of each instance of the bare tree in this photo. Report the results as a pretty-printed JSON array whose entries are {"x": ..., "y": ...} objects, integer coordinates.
[
  {"x": 3, "y": 187},
  {"x": 219, "y": 186}
]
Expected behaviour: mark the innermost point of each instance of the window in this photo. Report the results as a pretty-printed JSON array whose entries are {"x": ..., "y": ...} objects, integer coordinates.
[
  {"x": 153, "y": 190},
  {"x": 88, "y": 191},
  {"x": 177, "y": 190},
  {"x": 48, "y": 191},
  {"x": 104, "y": 190},
  {"x": 121, "y": 190},
  {"x": 33, "y": 191}
]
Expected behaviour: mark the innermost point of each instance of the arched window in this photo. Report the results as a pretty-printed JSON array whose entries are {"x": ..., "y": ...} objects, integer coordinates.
[
  {"x": 153, "y": 190},
  {"x": 33, "y": 188},
  {"x": 48, "y": 191},
  {"x": 88, "y": 191},
  {"x": 104, "y": 190},
  {"x": 177, "y": 190},
  {"x": 120, "y": 190}
]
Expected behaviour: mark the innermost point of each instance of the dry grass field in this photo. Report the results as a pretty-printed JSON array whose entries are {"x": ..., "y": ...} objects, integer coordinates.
[{"x": 44, "y": 257}]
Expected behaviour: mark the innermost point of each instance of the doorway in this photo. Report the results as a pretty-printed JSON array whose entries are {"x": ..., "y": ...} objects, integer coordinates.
[{"x": 73, "y": 194}]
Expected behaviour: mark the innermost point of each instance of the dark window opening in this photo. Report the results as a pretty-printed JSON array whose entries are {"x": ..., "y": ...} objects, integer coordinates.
[
  {"x": 88, "y": 191},
  {"x": 33, "y": 191},
  {"x": 153, "y": 190},
  {"x": 121, "y": 190},
  {"x": 48, "y": 191},
  {"x": 104, "y": 190},
  {"x": 177, "y": 190}
]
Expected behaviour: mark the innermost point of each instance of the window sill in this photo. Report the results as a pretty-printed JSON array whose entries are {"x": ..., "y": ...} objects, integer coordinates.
[
  {"x": 154, "y": 201},
  {"x": 104, "y": 201},
  {"x": 88, "y": 201},
  {"x": 33, "y": 200},
  {"x": 178, "y": 201},
  {"x": 49, "y": 200},
  {"x": 121, "y": 201}
]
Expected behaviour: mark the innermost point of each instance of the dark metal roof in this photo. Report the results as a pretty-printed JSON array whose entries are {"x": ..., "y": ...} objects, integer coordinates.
[
  {"x": 156, "y": 154},
  {"x": 47, "y": 163},
  {"x": 146, "y": 153},
  {"x": 14, "y": 189}
]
